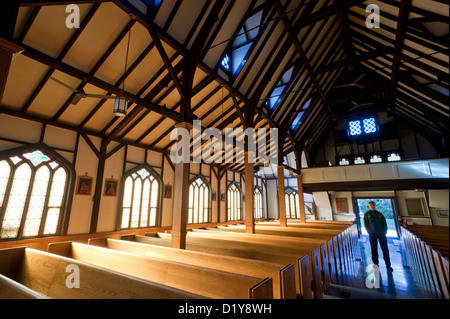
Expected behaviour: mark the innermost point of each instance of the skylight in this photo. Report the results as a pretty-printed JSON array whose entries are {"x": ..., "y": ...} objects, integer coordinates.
[{"x": 237, "y": 54}]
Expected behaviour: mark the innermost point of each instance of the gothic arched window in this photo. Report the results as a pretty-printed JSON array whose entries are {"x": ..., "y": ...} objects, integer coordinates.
[
  {"x": 199, "y": 201},
  {"x": 34, "y": 186},
  {"x": 234, "y": 202},
  {"x": 141, "y": 198},
  {"x": 292, "y": 203},
  {"x": 258, "y": 203}
]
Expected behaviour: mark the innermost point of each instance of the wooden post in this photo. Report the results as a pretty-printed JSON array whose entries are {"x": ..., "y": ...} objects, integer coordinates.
[
  {"x": 281, "y": 193},
  {"x": 301, "y": 199},
  {"x": 180, "y": 199},
  {"x": 249, "y": 189},
  {"x": 8, "y": 51}
]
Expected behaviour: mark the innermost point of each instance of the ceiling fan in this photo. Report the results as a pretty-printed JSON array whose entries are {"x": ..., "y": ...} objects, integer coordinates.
[
  {"x": 79, "y": 94},
  {"x": 356, "y": 105},
  {"x": 354, "y": 84}
]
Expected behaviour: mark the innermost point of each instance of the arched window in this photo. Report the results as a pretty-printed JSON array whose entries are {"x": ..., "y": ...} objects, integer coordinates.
[
  {"x": 141, "y": 198},
  {"x": 34, "y": 186},
  {"x": 258, "y": 203},
  {"x": 234, "y": 202},
  {"x": 292, "y": 203},
  {"x": 199, "y": 201}
]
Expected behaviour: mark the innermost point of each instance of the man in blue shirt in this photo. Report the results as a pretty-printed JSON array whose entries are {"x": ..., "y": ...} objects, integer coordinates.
[{"x": 376, "y": 227}]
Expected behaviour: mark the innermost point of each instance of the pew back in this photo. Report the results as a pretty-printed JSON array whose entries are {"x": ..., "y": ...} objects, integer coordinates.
[
  {"x": 236, "y": 249},
  {"x": 283, "y": 275},
  {"x": 197, "y": 280},
  {"x": 46, "y": 274}
]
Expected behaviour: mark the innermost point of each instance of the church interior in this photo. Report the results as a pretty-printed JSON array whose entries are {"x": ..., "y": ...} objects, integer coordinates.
[{"x": 297, "y": 114}]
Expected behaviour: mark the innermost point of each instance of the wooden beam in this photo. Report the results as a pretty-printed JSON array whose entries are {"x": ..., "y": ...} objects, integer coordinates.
[
  {"x": 65, "y": 68},
  {"x": 403, "y": 16},
  {"x": 301, "y": 52},
  {"x": 166, "y": 60},
  {"x": 34, "y": 3},
  {"x": 325, "y": 13}
]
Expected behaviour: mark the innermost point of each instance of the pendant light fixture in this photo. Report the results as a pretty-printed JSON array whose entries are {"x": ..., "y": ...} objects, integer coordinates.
[{"x": 121, "y": 102}]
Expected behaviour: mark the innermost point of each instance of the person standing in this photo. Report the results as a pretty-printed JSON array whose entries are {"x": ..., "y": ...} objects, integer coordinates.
[{"x": 376, "y": 227}]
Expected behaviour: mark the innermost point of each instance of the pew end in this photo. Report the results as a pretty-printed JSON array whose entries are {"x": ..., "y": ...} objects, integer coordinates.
[
  {"x": 131, "y": 237},
  {"x": 99, "y": 242},
  {"x": 304, "y": 268}
]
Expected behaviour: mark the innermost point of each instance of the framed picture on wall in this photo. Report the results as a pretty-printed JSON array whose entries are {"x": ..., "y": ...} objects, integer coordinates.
[
  {"x": 111, "y": 187},
  {"x": 213, "y": 196},
  {"x": 167, "y": 191},
  {"x": 443, "y": 213},
  {"x": 84, "y": 185}
]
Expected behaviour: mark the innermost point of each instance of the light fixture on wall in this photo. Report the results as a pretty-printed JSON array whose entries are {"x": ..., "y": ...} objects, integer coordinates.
[{"x": 121, "y": 102}]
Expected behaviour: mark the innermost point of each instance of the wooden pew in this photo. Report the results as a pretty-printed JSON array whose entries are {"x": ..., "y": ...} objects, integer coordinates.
[
  {"x": 306, "y": 225},
  {"x": 273, "y": 244},
  {"x": 197, "y": 280},
  {"x": 440, "y": 272},
  {"x": 237, "y": 249},
  {"x": 323, "y": 234},
  {"x": 429, "y": 262},
  {"x": 45, "y": 275},
  {"x": 326, "y": 254},
  {"x": 334, "y": 261},
  {"x": 10, "y": 289},
  {"x": 283, "y": 276},
  {"x": 435, "y": 236}
]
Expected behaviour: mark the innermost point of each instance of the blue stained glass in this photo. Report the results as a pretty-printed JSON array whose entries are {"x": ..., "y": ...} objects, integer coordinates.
[
  {"x": 226, "y": 63},
  {"x": 297, "y": 121},
  {"x": 36, "y": 157},
  {"x": 143, "y": 173},
  {"x": 344, "y": 162},
  {"x": 370, "y": 126},
  {"x": 355, "y": 128}
]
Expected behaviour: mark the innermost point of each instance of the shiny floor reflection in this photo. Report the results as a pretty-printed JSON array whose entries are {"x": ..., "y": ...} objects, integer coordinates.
[{"x": 357, "y": 279}]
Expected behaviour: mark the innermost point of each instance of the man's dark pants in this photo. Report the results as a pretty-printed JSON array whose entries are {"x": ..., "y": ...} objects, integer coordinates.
[{"x": 374, "y": 239}]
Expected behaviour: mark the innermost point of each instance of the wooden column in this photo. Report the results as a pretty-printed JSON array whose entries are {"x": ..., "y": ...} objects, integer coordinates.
[
  {"x": 281, "y": 200},
  {"x": 8, "y": 51},
  {"x": 180, "y": 199},
  {"x": 301, "y": 199},
  {"x": 249, "y": 189}
]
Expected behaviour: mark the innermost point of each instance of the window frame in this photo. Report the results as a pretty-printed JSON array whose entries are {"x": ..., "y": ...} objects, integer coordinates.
[
  {"x": 208, "y": 186},
  {"x": 120, "y": 207},
  {"x": 240, "y": 199},
  {"x": 231, "y": 47},
  {"x": 66, "y": 202},
  {"x": 294, "y": 193},
  {"x": 262, "y": 209}
]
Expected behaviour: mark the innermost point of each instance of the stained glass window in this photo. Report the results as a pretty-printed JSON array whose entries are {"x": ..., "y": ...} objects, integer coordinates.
[
  {"x": 234, "y": 202},
  {"x": 33, "y": 191},
  {"x": 279, "y": 91},
  {"x": 355, "y": 128},
  {"x": 141, "y": 199},
  {"x": 344, "y": 162},
  {"x": 394, "y": 157},
  {"x": 360, "y": 160},
  {"x": 370, "y": 126},
  {"x": 237, "y": 53},
  {"x": 292, "y": 203},
  {"x": 199, "y": 202},
  {"x": 366, "y": 126},
  {"x": 258, "y": 203},
  {"x": 376, "y": 159}
]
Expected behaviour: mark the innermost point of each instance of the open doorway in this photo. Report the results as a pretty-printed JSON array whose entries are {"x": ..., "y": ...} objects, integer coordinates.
[{"x": 386, "y": 206}]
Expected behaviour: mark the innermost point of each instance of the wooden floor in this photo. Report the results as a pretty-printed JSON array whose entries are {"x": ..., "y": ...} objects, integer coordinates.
[{"x": 404, "y": 283}]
